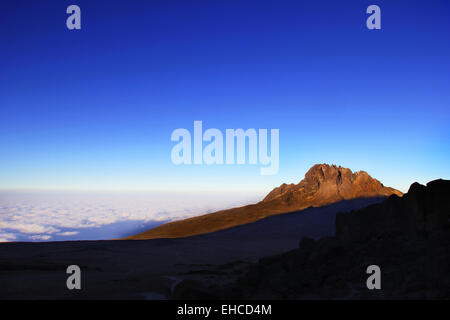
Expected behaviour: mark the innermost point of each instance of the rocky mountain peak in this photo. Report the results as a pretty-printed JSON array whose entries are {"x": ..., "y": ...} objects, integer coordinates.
[{"x": 325, "y": 183}]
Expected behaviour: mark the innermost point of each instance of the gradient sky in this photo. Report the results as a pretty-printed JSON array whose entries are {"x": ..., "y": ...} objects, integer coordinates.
[{"x": 95, "y": 108}]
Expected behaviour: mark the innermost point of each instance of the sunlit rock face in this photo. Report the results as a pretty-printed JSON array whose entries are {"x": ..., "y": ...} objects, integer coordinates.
[{"x": 323, "y": 185}]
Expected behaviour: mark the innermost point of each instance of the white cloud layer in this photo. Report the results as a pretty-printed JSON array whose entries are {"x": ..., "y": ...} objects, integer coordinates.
[
  {"x": 6, "y": 237},
  {"x": 68, "y": 233},
  {"x": 40, "y": 237},
  {"x": 39, "y": 215}
]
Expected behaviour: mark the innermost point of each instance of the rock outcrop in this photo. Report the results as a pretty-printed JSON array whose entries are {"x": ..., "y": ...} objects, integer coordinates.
[
  {"x": 424, "y": 211},
  {"x": 324, "y": 184}
]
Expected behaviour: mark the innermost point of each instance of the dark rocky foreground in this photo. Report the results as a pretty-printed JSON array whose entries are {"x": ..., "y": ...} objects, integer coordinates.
[
  {"x": 407, "y": 237},
  {"x": 151, "y": 269}
]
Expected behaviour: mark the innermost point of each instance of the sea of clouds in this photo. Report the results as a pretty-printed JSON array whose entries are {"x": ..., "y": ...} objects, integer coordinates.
[{"x": 64, "y": 215}]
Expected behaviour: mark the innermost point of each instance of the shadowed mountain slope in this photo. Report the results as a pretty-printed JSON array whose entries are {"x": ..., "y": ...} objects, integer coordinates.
[
  {"x": 323, "y": 185},
  {"x": 407, "y": 237}
]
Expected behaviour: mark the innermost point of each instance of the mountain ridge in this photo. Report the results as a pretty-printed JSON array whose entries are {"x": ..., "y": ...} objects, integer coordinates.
[
  {"x": 322, "y": 176},
  {"x": 323, "y": 184}
]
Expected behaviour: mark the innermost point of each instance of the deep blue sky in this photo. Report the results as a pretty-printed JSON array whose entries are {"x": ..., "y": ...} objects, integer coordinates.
[{"x": 94, "y": 108}]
